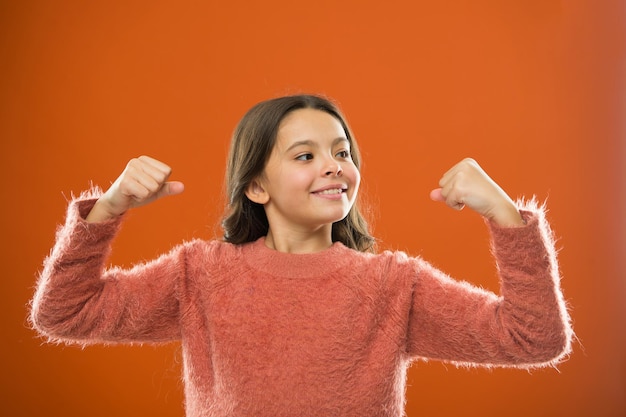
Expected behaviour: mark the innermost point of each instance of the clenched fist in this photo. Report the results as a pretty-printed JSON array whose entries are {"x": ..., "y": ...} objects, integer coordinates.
[
  {"x": 466, "y": 184},
  {"x": 143, "y": 181}
]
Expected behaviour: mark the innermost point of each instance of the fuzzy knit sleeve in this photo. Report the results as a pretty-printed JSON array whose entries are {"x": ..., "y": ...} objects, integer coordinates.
[
  {"x": 526, "y": 325},
  {"x": 78, "y": 300}
]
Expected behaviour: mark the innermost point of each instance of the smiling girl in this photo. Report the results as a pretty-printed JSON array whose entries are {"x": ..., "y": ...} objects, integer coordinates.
[{"x": 293, "y": 312}]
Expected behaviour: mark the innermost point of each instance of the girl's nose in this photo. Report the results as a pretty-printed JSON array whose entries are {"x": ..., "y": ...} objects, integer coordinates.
[{"x": 333, "y": 168}]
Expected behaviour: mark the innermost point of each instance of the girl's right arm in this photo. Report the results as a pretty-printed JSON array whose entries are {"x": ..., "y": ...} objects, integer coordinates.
[{"x": 79, "y": 300}]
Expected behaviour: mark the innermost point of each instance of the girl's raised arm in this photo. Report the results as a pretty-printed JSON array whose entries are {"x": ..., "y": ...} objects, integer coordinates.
[
  {"x": 527, "y": 324},
  {"x": 79, "y": 299},
  {"x": 144, "y": 180}
]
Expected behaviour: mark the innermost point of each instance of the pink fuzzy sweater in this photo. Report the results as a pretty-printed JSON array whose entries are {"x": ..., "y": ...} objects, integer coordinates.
[{"x": 266, "y": 333}]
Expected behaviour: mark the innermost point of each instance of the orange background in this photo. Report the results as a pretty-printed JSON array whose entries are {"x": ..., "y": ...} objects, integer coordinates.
[{"x": 534, "y": 90}]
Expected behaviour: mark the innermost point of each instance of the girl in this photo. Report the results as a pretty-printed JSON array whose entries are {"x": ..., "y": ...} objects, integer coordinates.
[{"x": 293, "y": 313}]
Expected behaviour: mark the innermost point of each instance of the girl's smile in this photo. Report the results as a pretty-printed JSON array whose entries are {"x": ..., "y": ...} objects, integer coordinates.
[{"x": 332, "y": 192}]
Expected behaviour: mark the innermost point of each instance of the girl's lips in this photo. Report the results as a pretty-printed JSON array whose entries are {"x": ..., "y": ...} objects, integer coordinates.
[
  {"x": 332, "y": 189},
  {"x": 334, "y": 192}
]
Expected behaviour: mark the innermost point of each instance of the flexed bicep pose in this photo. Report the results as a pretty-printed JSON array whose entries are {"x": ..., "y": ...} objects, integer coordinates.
[{"x": 293, "y": 312}]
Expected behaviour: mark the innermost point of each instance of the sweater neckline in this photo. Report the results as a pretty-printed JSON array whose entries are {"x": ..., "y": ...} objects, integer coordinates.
[{"x": 295, "y": 265}]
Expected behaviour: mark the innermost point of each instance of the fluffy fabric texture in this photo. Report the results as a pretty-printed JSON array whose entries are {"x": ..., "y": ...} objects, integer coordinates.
[{"x": 266, "y": 333}]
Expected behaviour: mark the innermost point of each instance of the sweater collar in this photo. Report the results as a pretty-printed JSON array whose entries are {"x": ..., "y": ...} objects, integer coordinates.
[{"x": 291, "y": 265}]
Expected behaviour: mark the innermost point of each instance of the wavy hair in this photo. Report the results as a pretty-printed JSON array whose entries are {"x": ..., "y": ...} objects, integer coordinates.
[{"x": 251, "y": 145}]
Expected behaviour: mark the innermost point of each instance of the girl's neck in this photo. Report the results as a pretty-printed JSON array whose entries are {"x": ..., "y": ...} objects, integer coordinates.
[{"x": 298, "y": 242}]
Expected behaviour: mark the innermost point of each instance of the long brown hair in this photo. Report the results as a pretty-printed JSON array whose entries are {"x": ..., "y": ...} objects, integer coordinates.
[{"x": 251, "y": 146}]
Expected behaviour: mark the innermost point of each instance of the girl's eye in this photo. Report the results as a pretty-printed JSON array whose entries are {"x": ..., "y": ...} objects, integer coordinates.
[
  {"x": 304, "y": 157},
  {"x": 343, "y": 154}
]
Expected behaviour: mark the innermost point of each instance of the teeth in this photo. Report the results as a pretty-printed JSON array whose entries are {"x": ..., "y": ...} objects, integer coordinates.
[{"x": 332, "y": 191}]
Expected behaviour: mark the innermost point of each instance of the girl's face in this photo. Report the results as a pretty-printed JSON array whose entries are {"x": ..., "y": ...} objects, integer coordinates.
[{"x": 309, "y": 181}]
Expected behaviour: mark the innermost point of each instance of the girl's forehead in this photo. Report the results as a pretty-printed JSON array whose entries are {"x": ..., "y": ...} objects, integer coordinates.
[{"x": 310, "y": 125}]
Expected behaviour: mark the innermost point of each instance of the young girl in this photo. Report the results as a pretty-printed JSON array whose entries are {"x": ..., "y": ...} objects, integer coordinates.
[{"x": 293, "y": 313}]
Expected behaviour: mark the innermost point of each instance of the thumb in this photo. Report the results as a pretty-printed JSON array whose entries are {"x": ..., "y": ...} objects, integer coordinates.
[
  {"x": 171, "y": 188},
  {"x": 436, "y": 195}
]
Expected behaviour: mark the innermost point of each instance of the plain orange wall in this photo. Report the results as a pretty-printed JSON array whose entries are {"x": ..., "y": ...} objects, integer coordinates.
[{"x": 535, "y": 90}]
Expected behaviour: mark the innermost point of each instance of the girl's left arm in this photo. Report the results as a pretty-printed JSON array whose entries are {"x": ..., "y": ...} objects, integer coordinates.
[{"x": 528, "y": 323}]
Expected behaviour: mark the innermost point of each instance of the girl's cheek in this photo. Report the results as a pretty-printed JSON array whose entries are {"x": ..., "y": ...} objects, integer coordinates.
[
  {"x": 355, "y": 174},
  {"x": 300, "y": 177}
]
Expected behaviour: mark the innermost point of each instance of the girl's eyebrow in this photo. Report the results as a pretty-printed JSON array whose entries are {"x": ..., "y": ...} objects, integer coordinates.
[{"x": 312, "y": 143}]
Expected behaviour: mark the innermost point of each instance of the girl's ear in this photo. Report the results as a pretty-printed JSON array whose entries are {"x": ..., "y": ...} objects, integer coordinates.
[{"x": 256, "y": 193}]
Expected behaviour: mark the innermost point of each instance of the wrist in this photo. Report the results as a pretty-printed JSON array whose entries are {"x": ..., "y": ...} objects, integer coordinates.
[
  {"x": 507, "y": 216},
  {"x": 100, "y": 213}
]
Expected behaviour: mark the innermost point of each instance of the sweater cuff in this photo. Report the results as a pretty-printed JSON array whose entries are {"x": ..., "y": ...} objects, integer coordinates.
[
  {"x": 516, "y": 244},
  {"x": 77, "y": 211}
]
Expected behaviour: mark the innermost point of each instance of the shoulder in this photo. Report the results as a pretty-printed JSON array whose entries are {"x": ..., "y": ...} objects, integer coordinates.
[
  {"x": 390, "y": 260},
  {"x": 389, "y": 268},
  {"x": 380, "y": 262},
  {"x": 207, "y": 262},
  {"x": 210, "y": 251}
]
